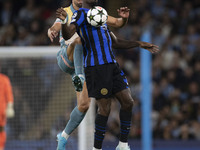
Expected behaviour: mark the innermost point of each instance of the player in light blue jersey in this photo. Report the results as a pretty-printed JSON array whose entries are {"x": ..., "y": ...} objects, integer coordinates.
[
  {"x": 70, "y": 49},
  {"x": 70, "y": 60}
]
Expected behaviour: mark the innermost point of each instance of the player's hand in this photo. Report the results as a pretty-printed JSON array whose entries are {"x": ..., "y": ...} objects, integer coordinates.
[
  {"x": 61, "y": 13},
  {"x": 123, "y": 12},
  {"x": 10, "y": 113},
  {"x": 148, "y": 46},
  {"x": 52, "y": 34}
]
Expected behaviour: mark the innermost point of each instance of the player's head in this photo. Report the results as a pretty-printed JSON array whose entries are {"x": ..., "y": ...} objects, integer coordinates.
[
  {"x": 77, "y": 3},
  {"x": 91, "y": 2}
]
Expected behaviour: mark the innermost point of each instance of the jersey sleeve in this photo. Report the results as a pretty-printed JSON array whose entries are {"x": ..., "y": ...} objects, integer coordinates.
[
  {"x": 58, "y": 20},
  {"x": 8, "y": 90},
  {"x": 78, "y": 18}
]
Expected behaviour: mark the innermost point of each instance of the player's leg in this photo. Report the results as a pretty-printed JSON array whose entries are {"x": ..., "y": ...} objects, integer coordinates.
[
  {"x": 76, "y": 117},
  {"x": 126, "y": 101},
  {"x": 2, "y": 139},
  {"x": 83, "y": 99},
  {"x": 123, "y": 95},
  {"x": 71, "y": 48},
  {"x": 65, "y": 64},
  {"x": 75, "y": 54},
  {"x": 79, "y": 79},
  {"x": 99, "y": 84},
  {"x": 65, "y": 58},
  {"x": 101, "y": 119},
  {"x": 78, "y": 112}
]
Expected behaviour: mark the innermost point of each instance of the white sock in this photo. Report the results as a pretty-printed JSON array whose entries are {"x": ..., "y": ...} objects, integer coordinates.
[
  {"x": 123, "y": 144},
  {"x": 65, "y": 135},
  {"x": 96, "y": 149}
]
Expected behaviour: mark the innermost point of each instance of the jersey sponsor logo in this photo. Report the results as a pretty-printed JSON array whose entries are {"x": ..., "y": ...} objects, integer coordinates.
[
  {"x": 74, "y": 15},
  {"x": 73, "y": 20},
  {"x": 104, "y": 91}
]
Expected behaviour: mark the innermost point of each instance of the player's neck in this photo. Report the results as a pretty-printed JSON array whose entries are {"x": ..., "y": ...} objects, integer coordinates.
[{"x": 75, "y": 7}]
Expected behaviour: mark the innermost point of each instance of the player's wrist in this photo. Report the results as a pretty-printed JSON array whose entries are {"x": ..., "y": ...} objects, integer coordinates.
[
  {"x": 139, "y": 44},
  {"x": 125, "y": 19},
  {"x": 10, "y": 110},
  {"x": 64, "y": 21}
]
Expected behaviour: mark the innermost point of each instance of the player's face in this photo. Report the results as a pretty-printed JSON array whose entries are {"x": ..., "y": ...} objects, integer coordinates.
[{"x": 78, "y": 3}]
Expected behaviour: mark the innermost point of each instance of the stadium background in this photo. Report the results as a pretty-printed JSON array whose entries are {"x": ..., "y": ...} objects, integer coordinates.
[{"x": 44, "y": 96}]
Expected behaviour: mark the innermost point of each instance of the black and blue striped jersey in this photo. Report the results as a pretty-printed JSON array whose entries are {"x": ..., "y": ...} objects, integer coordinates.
[{"x": 96, "y": 41}]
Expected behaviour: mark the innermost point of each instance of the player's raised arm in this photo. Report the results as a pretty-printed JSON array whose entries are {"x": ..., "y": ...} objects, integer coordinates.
[
  {"x": 53, "y": 30},
  {"x": 67, "y": 30},
  {"x": 123, "y": 12},
  {"x": 125, "y": 44}
]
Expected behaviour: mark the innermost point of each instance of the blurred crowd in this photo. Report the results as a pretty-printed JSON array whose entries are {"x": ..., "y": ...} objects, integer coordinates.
[
  {"x": 175, "y": 28},
  {"x": 26, "y": 21}
]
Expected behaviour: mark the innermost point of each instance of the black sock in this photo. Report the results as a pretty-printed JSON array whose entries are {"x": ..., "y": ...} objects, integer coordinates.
[
  {"x": 125, "y": 121},
  {"x": 100, "y": 129}
]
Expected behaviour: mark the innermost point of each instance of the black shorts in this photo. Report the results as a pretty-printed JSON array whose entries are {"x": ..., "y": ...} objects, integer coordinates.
[{"x": 103, "y": 81}]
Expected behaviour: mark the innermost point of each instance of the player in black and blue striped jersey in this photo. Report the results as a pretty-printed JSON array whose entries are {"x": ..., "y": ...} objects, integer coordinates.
[
  {"x": 96, "y": 41},
  {"x": 103, "y": 77},
  {"x": 65, "y": 61}
]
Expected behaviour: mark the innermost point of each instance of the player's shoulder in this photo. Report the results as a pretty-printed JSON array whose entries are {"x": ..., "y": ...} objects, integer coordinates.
[
  {"x": 3, "y": 77},
  {"x": 81, "y": 13},
  {"x": 67, "y": 9},
  {"x": 78, "y": 13},
  {"x": 84, "y": 10}
]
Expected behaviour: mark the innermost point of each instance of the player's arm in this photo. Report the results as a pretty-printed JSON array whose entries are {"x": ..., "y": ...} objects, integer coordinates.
[
  {"x": 123, "y": 12},
  {"x": 67, "y": 30},
  {"x": 126, "y": 44},
  {"x": 9, "y": 97},
  {"x": 54, "y": 29}
]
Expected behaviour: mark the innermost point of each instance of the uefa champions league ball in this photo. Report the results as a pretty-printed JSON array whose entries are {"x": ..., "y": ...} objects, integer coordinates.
[{"x": 97, "y": 16}]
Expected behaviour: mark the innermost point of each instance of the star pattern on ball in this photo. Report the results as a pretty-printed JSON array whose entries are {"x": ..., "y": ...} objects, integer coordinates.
[
  {"x": 100, "y": 12},
  {"x": 97, "y": 16},
  {"x": 91, "y": 17}
]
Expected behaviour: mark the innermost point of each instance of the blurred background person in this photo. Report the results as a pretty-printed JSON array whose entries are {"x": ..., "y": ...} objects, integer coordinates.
[{"x": 6, "y": 106}]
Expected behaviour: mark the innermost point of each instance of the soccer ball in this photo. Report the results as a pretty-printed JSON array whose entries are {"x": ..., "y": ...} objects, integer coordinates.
[{"x": 97, "y": 16}]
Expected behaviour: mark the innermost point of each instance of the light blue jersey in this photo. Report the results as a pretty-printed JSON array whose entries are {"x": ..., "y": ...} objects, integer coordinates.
[
  {"x": 64, "y": 63},
  {"x": 70, "y": 10}
]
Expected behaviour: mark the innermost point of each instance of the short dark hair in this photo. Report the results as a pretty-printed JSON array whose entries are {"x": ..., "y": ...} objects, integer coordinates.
[{"x": 66, "y": 3}]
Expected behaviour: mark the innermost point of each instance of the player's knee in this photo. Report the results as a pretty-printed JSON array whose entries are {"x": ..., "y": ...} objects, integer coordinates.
[
  {"x": 104, "y": 110},
  {"x": 128, "y": 105},
  {"x": 78, "y": 40}
]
